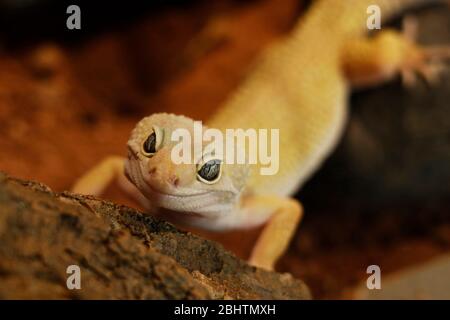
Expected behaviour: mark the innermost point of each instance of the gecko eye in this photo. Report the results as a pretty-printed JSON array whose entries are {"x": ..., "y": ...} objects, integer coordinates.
[
  {"x": 210, "y": 171},
  {"x": 153, "y": 142}
]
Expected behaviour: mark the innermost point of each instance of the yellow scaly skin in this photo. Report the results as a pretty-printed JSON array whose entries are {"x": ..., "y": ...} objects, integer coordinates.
[{"x": 299, "y": 87}]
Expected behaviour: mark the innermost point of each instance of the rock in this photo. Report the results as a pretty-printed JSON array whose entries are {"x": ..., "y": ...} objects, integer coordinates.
[{"x": 122, "y": 253}]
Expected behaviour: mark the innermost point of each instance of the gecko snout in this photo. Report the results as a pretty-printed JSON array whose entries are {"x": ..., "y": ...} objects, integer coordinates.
[
  {"x": 171, "y": 178},
  {"x": 163, "y": 179},
  {"x": 164, "y": 174}
]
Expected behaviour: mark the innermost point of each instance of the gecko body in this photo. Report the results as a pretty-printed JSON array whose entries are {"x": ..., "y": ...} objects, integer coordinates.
[{"x": 300, "y": 85}]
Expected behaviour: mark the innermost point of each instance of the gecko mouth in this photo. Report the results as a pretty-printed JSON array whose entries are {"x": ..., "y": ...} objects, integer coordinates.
[
  {"x": 188, "y": 201},
  {"x": 191, "y": 193},
  {"x": 194, "y": 204}
]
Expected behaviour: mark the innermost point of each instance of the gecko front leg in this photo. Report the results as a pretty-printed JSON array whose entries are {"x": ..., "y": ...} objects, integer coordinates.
[
  {"x": 278, "y": 231},
  {"x": 106, "y": 172},
  {"x": 281, "y": 216},
  {"x": 97, "y": 179}
]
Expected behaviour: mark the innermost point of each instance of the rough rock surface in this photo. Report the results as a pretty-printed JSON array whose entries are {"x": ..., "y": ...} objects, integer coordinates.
[{"x": 122, "y": 253}]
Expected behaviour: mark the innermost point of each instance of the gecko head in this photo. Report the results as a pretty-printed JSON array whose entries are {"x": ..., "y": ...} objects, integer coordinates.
[{"x": 204, "y": 186}]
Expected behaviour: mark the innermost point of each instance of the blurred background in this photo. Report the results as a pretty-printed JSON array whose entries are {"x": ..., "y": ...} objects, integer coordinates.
[{"x": 68, "y": 98}]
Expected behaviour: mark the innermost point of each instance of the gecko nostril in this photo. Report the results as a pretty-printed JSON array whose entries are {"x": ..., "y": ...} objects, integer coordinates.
[
  {"x": 176, "y": 181},
  {"x": 152, "y": 170}
]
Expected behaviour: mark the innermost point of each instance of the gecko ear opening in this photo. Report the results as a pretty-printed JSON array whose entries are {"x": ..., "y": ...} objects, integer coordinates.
[{"x": 153, "y": 142}]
